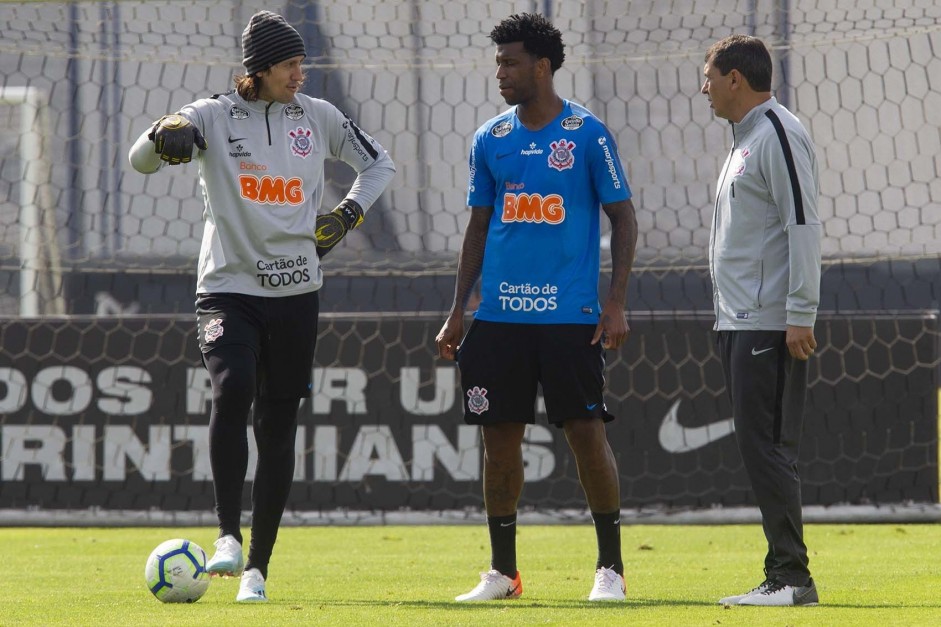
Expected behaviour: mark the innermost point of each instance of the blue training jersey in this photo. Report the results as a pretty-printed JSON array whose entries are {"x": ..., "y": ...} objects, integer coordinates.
[{"x": 542, "y": 260}]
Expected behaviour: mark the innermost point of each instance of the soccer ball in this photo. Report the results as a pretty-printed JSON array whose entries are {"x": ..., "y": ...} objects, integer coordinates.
[{"x": 176, "y": 572}]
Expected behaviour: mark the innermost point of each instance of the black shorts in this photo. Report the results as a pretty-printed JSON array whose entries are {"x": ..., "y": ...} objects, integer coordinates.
[
  {"x": 282, "y": 332},
  {"x": 502, "y": 365}
]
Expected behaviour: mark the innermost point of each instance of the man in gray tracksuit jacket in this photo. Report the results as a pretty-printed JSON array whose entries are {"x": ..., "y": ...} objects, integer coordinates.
[{"x": 764, "y": 259}]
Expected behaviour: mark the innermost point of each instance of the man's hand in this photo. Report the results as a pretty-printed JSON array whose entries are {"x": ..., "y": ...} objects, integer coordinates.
[
  {"x": 612, "y": 329},
  {"x": 332, "y": 227},
  {"x": 174, "y": 137},
  {"x": 800, "y": 342},
  {"x": 450, "y": 335}
]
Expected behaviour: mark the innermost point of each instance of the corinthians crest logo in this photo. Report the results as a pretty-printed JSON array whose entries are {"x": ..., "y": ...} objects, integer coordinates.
[
  {"x": 301, "y": 144},
  {"x": 477, "y": 400},
  {"x": 560, "y": 155},
  {"x": 213, "y": 330}
]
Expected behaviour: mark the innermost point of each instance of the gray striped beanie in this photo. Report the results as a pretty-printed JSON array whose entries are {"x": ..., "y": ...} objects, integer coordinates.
[{"x": 268, "y": 40}]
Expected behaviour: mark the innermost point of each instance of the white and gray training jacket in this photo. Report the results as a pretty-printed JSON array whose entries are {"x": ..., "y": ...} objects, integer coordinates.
[
  {"x": 262, "y": 179},
  {"x": 764, "y": 246}
]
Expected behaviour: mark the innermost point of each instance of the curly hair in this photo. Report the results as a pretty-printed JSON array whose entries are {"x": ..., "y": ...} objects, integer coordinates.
[{"x": 540, "y": 38}]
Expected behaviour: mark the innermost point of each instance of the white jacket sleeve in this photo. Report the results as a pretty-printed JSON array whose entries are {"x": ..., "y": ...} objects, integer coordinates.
[{"x": 142, "y": 155}]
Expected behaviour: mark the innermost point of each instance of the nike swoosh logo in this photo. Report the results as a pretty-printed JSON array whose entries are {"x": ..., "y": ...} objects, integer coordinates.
[
  {"x": 232, "y": 140},
  {"x": 763, "y": 350},
  {"x": 507, "y": 524},
  {"x": 675, "y": 438},
  {"x": 591, "y": 407}
]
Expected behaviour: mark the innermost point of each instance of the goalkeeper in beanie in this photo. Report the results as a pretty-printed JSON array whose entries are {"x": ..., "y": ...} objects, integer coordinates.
[{"x": 260, "y": 150}]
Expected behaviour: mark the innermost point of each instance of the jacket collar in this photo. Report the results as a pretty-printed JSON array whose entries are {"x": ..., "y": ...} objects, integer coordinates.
[
  {"x": 751, "y": 118},
  {"x": 259, "y": 106}
]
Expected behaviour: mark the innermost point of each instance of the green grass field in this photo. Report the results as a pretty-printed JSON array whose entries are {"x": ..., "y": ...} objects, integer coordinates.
[{"x": 866, "y": 575}]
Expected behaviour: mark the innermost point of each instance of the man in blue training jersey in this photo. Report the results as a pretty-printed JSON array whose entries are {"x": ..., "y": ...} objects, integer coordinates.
[{"x": 538, "y": 174}]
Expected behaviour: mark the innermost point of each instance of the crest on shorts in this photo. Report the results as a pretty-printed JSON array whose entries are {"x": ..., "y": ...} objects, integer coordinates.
[
  {"x": 300, "y": 142},
  {"x": 501, "y": 130},
  {"x": 560, "y": 155},
  {"x": 294, "y": 111},
  {"x": 238, "y": 113},
  {"x": 213, "y": 330},
  {"x": 477, "y": 400}
]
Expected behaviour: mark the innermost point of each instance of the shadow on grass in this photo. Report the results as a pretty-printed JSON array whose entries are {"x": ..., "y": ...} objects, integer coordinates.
[
  {"x": 587, "y": 605},
  {"x": 507, "y": 605}
]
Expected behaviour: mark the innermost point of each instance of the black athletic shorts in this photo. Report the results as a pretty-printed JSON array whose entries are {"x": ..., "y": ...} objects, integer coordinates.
[
  {"x": 282, "y": 332},
  {"x": 503, "y": 364}
]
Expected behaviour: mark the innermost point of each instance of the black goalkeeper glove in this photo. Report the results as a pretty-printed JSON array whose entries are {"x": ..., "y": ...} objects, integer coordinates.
[
  {"x": 331, "y": 227},
  {"x": 173, "y": 137}
]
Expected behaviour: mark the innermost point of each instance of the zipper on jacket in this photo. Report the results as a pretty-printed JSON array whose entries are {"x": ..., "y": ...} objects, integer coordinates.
[
  {"x": 725, "y": 173},
  {"x": 732, "y": 188},
  {"x": 267, "y": 123},
  {"x": 715, "y": 215}
]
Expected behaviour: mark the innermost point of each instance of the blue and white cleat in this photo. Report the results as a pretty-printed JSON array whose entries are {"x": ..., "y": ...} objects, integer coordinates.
[
  {"x": 252, "y": 587},
  {"x": 227, "y": 560}
]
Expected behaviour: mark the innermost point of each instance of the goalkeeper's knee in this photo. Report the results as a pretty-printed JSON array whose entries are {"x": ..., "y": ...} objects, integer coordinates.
[{"x": 333, "y": 226}]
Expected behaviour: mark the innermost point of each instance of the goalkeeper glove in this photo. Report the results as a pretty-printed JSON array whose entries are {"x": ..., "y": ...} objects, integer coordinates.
[
  {"x": 173, "y": 137},
  {"x": 331, "y": 227}
]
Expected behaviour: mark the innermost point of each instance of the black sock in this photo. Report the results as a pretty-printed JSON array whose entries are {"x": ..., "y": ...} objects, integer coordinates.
[
  {"x": 608, "y": 530},
  {"x": 503, "y": 544},
  {"x": 235, "y": 533}
]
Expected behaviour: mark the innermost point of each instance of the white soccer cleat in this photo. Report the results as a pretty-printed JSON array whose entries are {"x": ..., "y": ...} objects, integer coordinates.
[
  {"x": 227, "y": 560},
  {"x": 734, "y": 599},
  {"x": 779, "y": 594},
  {"x": 252, "y": 587},
  {"x": 494, "y": 586},
  {"x": 609, "y": 586}
]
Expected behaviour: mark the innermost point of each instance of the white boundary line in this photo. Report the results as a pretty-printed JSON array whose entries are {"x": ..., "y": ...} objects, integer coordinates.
[{"x": 96, "y": 517}]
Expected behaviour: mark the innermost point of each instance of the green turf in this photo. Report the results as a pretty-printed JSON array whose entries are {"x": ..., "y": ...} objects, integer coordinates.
[{"x": 378, "y": 576}]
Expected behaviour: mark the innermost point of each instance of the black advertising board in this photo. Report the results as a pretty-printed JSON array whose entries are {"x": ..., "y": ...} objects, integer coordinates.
[{"x": 112, "y": 413}]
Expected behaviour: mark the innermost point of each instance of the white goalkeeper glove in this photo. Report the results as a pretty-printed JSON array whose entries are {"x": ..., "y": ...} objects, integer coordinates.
[
  {"x": 173, "y": 137},
  {"x": 332, "y": 227}
]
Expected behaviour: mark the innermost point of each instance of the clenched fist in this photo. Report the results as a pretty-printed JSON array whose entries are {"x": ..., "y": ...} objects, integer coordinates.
[{"x": 174, "y": 137}]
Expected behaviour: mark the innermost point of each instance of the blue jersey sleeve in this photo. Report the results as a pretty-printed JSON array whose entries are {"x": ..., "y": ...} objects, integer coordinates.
[
  {"x": 607, "y": 172},
  {"x": 481, "y": 186}
]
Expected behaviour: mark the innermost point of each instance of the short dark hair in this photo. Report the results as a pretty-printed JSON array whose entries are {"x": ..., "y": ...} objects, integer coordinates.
[
  {"x": 540, "y": 38},
  {"x": 746, "y": 54}
]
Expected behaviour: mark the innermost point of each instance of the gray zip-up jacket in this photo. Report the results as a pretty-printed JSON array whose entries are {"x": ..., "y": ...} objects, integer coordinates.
[
  {"x": 262, "y": 178},
  {"x": 764, "y": 247}
]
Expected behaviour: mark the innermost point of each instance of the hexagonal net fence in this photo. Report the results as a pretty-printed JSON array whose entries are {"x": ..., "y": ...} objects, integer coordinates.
[
  {"x": 87, "y": 77},
  {"x": 83, "y": 234}
]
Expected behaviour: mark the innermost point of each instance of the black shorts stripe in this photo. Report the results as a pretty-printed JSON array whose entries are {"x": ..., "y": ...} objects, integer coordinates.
[{"x": 791, "y": 169}]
